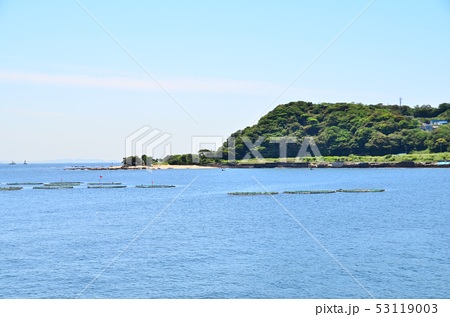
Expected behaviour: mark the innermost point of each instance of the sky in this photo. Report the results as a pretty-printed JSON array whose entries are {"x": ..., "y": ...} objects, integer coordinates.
[{"x": 98, "y": 80}]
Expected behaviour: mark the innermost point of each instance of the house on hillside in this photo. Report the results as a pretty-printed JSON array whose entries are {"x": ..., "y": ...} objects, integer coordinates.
[
  {"x": 438, "y": 122},
  {"x": 426, "y": 127},
  {"x": 434, "y": 124}
]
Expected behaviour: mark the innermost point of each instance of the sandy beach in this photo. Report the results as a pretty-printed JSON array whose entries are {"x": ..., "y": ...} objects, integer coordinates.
[{"x": 180, "y": 167}]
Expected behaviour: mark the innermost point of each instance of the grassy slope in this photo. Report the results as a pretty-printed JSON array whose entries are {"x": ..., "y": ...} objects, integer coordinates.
[{"x": 415, "y": 157}]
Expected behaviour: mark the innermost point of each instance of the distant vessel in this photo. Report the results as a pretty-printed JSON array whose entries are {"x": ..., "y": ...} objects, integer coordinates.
[
  {"x": 12, "y": 163},
  {"x": 25, "y": 162}
]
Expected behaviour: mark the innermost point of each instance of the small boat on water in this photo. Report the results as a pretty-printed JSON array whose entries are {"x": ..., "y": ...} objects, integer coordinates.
[
  {"x": 25, "y": 162},
  {"x": 12, "y": 163}
]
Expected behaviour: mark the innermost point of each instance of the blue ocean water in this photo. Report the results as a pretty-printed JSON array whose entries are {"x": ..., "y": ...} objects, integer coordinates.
[{"x": 195, "y": 241}]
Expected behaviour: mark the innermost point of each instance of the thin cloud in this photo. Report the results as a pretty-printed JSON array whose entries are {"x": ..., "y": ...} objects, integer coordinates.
[{"x": 125, "y": 83}]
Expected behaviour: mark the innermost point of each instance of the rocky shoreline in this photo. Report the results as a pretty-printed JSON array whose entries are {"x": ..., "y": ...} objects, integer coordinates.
[{"x": 406, "y": 164}]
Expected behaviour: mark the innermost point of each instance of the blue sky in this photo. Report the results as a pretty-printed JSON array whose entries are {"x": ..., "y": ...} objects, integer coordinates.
[{"x": 72, "y": 89}]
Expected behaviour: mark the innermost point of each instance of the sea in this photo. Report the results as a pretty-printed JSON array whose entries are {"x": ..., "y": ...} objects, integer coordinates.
[{"x": 195, "y": 240}]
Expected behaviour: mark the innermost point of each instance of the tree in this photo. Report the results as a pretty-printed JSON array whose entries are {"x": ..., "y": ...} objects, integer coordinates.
[
  {"x": 335, "y": 141},
  {"x": 438, "y": 139},
  {"x": 378, "y": 144},
  {"x": 146, "y": 160},
  {"x": 312, "y": 126},
  {"x": 206, "y": 156},
  {"x": 425, "y": 111},
  {"x": 132, "y": 161},
  {"x": 444, "y": 115},
  {"x": 362, "y": 136},
  {"x": 441, "y": 141},
  {"x": 180, "y": 159},
  {"x": 342, "y": 129},
  {"x": 444, "y": 107}
]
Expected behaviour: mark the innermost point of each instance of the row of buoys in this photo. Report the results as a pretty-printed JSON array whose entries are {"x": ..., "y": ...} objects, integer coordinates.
[{"x": 306, "y": 192}]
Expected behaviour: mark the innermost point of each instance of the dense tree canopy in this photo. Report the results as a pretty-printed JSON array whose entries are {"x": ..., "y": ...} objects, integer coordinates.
[{"x": 343, "y": 129}]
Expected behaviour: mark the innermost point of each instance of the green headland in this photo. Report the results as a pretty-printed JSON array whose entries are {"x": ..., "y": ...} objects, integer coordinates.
[{"x": 346, "y": 132}]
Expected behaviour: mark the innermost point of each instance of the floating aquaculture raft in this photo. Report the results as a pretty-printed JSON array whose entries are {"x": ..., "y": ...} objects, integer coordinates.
[
  {"x": 106, "y": 186},
  {"x": 24, "y": 184},
  {"x": 58, "y": 185},
  {"x": 63, "y": 184},
  {"x": 48, "y": 186},
  {"x": 360, "y": 190},
  {"x": 306, "y": 192},
  {"x": 155, "y": 186},
  {"x": 251, "y": 193},
  {"x": 10, "y": 188}
]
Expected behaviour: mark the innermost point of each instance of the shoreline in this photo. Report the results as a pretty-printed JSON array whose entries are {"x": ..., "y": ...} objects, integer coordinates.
[
  {"x": 405, "y": 164},
  {"x": 134, "y": 168}
]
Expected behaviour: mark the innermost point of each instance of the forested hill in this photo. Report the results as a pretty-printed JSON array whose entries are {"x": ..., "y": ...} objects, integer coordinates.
[{"x": 342, "y": 129}]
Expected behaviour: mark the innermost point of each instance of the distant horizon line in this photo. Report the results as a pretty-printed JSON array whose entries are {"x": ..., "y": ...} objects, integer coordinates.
[{"x": 20, "y": 162}]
